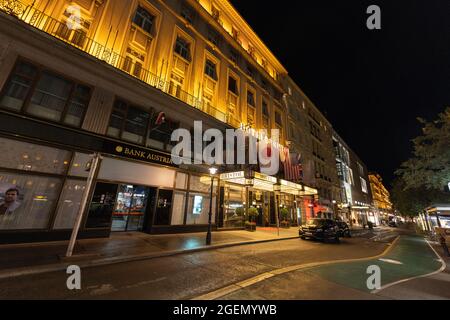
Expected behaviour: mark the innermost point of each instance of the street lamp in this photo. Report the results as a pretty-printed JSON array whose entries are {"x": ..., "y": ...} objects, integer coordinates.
[{"x": 212, "y": 171}]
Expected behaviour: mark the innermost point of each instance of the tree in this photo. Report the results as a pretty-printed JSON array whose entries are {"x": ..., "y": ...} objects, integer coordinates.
[
  {"x": 411, "y": 201},
  {"x": 430, "y": 166}
]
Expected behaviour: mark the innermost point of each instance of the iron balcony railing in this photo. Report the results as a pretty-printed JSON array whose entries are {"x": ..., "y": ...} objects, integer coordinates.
[{"x": 78, "y": 39}]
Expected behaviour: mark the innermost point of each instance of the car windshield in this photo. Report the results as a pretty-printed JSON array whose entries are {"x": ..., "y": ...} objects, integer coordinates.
[{"x": 315, "y": 222}]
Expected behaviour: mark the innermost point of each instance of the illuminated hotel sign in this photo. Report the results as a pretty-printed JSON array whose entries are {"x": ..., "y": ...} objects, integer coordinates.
[
  {"x": 265, "y": 178},
  {"x": 232, "y": 175}
]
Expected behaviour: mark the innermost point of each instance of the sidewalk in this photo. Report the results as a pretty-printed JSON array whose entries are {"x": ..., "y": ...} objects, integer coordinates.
[{"x": 35, "y": 258}]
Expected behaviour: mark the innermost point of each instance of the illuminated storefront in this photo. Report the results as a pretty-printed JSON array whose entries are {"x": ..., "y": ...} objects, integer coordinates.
[
  {"x": 135, "y": 189},
  {"x": 269, "y": 195}
]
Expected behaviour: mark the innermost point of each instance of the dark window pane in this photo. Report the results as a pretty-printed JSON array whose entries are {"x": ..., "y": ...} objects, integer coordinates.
[
  {"x": 26, "y": 69},
  {"x": 78, "y": 105},
  {"x": 102, "y": 206},
  {"x": 144, "y": 19},
  {"x": 182, "y": 48},
  {"x": 15, "y": 93},
  {"x": 232, "y": 85},
  {"x": 50, "y": 97},
  {"x": 135, "y": 125},
  {"x": 163, "y": 208},
  {"x": 251, "y": 98}
]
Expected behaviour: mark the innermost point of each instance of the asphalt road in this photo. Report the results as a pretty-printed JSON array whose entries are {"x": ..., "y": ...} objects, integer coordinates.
[{"x": 189, "y": 276}]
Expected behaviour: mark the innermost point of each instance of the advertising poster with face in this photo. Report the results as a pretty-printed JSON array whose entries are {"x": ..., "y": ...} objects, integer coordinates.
[{"x": 9, "y": 203}]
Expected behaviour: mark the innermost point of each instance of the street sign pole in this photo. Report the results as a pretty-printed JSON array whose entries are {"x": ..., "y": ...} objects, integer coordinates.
[{"x": 92, "y": 167}]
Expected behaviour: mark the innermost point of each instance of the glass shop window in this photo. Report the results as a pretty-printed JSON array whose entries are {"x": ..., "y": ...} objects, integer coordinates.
[
  {"x": 26, "y": 201},
  {"x": 163, "y": 208},
  {"x": 32, "y": 157},
  {"x": 198, "y": 209},
  {"x": 69, "y": 204},
  {"x": 179, "y": 204}
]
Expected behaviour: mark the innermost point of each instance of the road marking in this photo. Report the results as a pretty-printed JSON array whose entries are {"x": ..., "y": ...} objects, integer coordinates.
[
  {"x": 104, "y": 289},
  {"x": 391, "y": 261},
  {"x": 443, "y": 267},
  {"x": 276, "y": 272}
]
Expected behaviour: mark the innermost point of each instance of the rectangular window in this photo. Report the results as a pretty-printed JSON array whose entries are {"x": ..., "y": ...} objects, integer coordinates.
[
  {"x": 198, "y": 209},
  {"x": 361, "y": 169},
  {"x": 265, "y": 109},
  {"x": 187, "y": 13},
  {"x": 31, "y": 199},
  {"x": 144, "y": 19},
  {"x": 213, "y": 36},
  {"x": 69, "y": 204},
  {"x": 233, "y": 85},
  {"x": 278, "y": 118},
  {"x": 179, "y": 205},
  {"x": 363, "y": 185},
  {"x": 251, "y": 98},
  {"x": 234, "y": 56},
  {"x": 45, "y": 95},
  {"x": 18, "y": 155},
  {"x": 128, "y": 123},
  {"x": 182, "y": 48},
  {"x": 211, "y": 69}
]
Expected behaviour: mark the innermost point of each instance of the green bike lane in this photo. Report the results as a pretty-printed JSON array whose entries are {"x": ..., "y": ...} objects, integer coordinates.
[{"x": 409, "y": 257}]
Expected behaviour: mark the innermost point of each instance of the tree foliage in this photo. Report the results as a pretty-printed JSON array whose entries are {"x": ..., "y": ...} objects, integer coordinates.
[
  {"x": 429, "y": 168},
  {"x": 411, "y": 201},
  {"x": 423, "y": 178}
]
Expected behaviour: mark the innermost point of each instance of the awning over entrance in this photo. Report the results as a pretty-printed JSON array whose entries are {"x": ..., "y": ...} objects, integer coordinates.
[
  {"x": 290, "y": 187},
  {"x": 439, "y": 209},
  {"x": 253, "y": 179},
  {"x": 267, "y": 183}
]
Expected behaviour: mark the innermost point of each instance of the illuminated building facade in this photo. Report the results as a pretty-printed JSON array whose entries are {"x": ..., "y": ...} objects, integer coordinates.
[
  {"x": 356, "y": 204},
  {"x": 115, "y": 78},
  {"x": 381, "y": 196},
  {"x": 85, "y": 76},
  {"x": 310, "y": 139}
]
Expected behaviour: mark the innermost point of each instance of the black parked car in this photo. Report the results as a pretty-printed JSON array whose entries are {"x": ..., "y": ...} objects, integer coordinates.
[
  {"x": 320, "y": 229},
  {"x": 344, "y": 229},
  {"x": 392, "y": 224}
]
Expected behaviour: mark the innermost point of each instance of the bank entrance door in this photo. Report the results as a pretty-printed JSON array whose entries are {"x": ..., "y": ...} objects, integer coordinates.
[{"x": 130, "y": 208}]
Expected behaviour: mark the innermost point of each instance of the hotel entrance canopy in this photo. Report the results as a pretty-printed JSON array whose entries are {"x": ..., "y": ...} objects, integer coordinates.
[
  {"x": 267, "y": 183},
  {"x": 250, "y": 179},
  {"x": 439, "y": 210}
]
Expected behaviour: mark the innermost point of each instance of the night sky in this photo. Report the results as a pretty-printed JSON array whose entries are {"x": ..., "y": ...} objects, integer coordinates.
[{"x": 371, "y": 85}]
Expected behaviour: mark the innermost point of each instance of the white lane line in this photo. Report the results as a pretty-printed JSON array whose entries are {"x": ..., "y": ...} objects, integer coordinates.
[
  {"x": 391, "y": 261},
  {"x": 216, "y": 294},
  {"x": 443, "y": 267}
]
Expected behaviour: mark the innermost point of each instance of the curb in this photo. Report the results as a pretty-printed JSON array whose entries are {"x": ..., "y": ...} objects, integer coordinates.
[{"x": 28, "y": 271}]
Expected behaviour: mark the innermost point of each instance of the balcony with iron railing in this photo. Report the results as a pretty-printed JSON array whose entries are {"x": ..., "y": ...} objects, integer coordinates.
[{"x": 77, "y": 38}]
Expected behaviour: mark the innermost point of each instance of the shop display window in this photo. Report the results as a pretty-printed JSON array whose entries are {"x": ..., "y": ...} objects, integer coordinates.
[
  {"x": 163, "y": 208},
  {"x": 179, "y": 205},
  {"x": 198, "y": 209},
  {"x": 200, "y": 184},
  {"x": 31, "y": 157},
  {"x": 69, "y": 204},
  {"x": 27, "y": 201}
]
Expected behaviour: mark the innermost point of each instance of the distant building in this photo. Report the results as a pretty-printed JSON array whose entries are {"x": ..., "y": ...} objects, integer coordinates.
[
  {"x": 355, "y": 205},
  {"x": 381, "y": 197}
]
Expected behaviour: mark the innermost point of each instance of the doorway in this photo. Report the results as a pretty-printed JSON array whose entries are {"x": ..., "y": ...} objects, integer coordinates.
[{"x": 130, "y": 208}]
